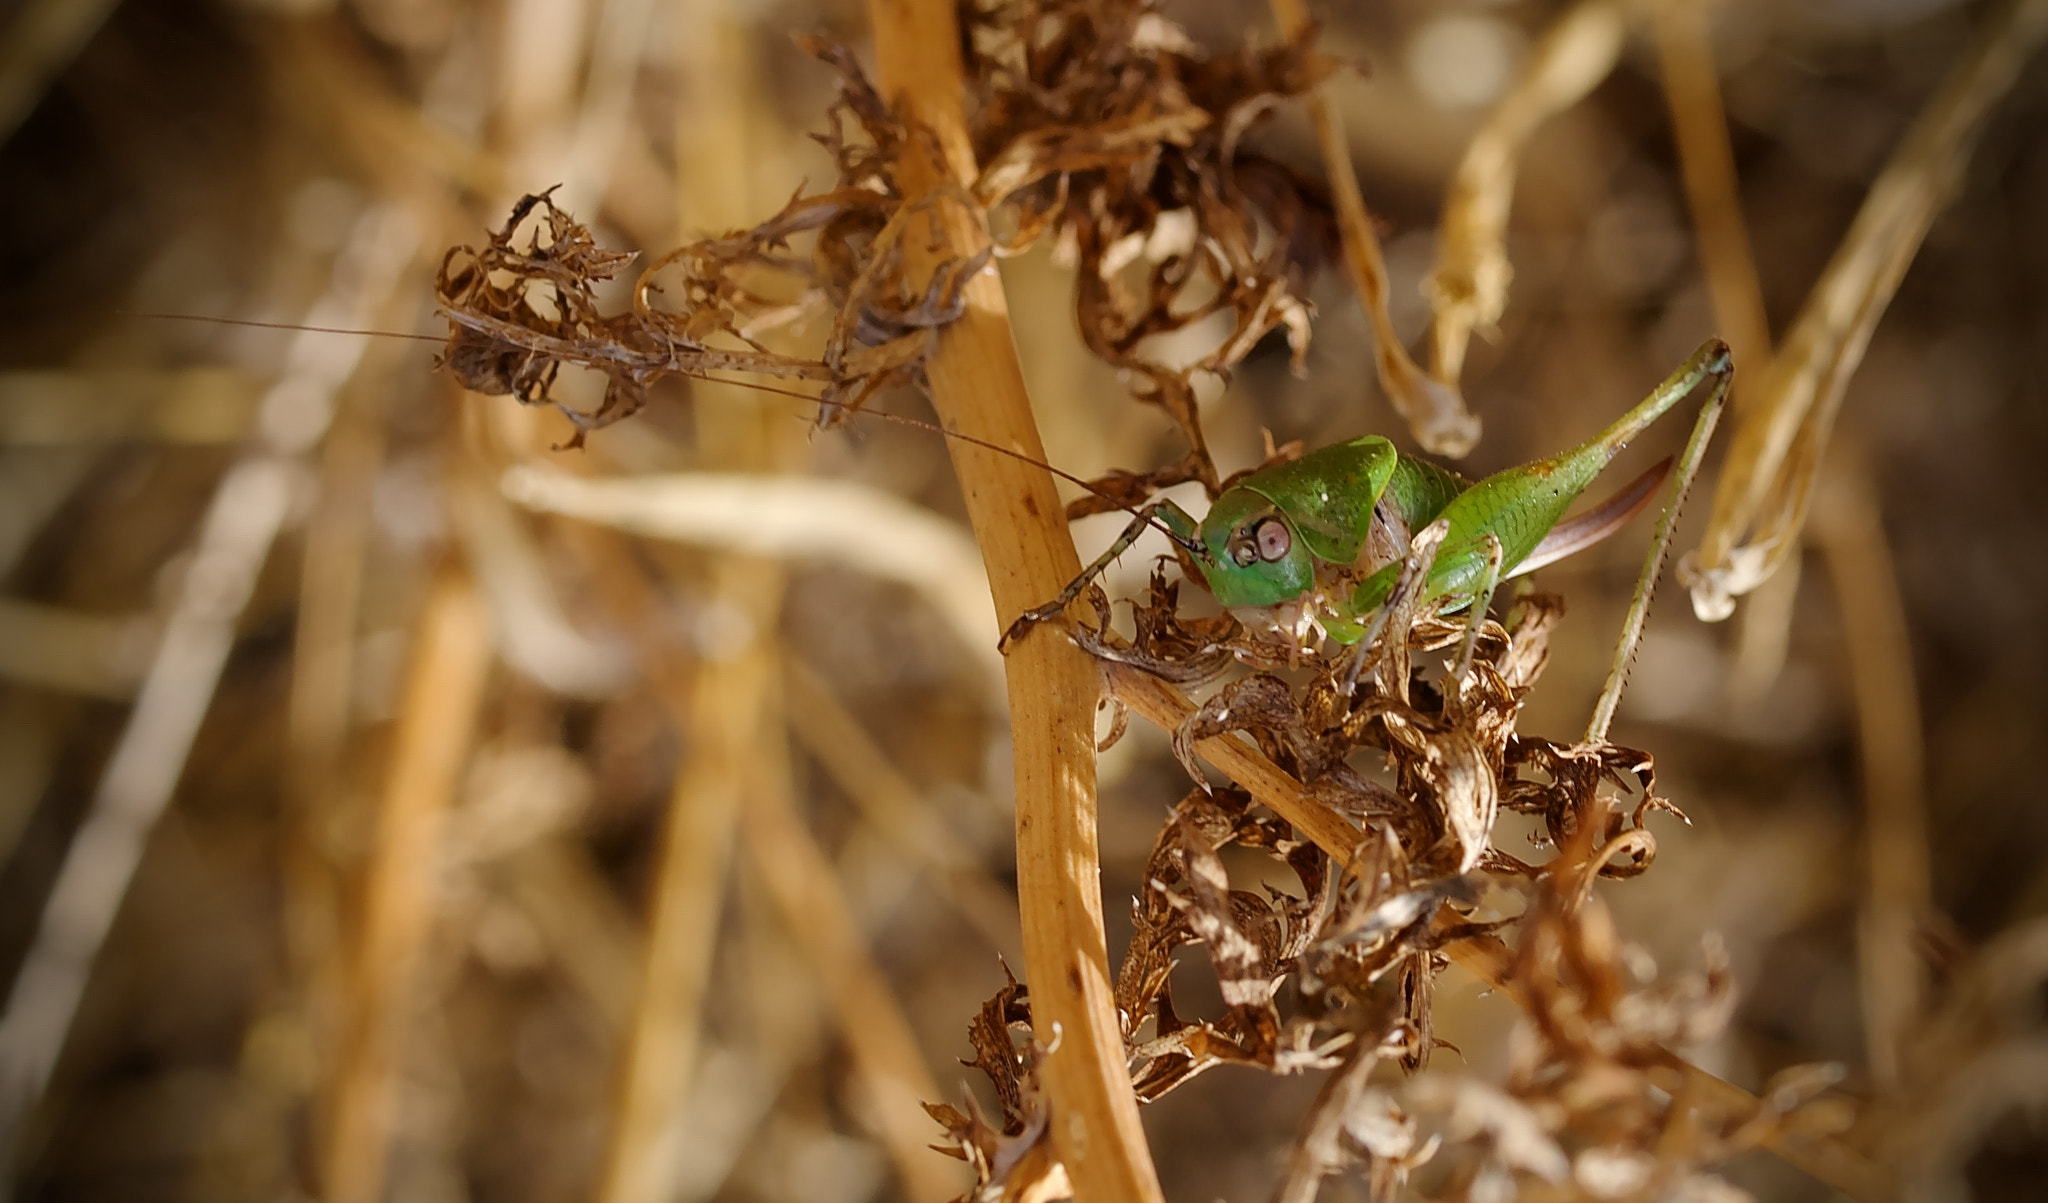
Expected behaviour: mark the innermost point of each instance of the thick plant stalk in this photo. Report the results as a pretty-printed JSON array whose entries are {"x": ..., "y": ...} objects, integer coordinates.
[{"x": 977, "y": 386}]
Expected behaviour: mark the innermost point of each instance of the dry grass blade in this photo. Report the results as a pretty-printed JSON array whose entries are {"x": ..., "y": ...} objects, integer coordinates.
[
  {"x": 1433, "y": 408},
  {"x": 1898, "y": 881},
  {"x": 248, "y": 509},
  {"x": 1469, "y": 288},
  {"x": 1693, "y": 93},
  {"x": 788, "y": 517},
  {"x": 442, "y": 701},
  {"x": 887, "y": 1061},
  {"x": 977, "y": 387},
  {"x": 1783, "y": 433}
]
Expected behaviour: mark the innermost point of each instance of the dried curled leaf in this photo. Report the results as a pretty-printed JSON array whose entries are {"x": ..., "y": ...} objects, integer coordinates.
[
  {"x": 1104, "y": 129},
  {"x": 520, "y": 309}
]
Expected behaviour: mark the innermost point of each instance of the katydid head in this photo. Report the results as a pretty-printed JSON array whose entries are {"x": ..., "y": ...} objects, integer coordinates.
[{"x": 1251, "y": 554}]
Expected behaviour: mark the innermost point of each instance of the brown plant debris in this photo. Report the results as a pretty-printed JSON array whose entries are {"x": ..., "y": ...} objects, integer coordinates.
[
  {"x": 1101, "y": 127},
  {"x": 1340, "y": 975},
  {"x": 1104, "y": 128},
  {"x": 520, "y": 311}
]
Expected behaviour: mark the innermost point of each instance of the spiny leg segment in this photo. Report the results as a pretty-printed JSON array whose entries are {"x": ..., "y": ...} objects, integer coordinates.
[{"x": 1712, "y": 361}]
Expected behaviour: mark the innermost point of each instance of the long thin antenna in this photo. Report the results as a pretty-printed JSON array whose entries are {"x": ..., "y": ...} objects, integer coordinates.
[
  {"x": 243, "y": 321},
  {"x": 900, "y": 419}
]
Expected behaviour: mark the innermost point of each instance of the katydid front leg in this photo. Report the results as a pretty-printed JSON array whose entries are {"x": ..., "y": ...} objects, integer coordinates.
[{"x": 1164, "y": 514}]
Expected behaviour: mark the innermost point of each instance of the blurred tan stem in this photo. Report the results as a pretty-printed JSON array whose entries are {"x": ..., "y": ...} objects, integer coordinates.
[
  {"x": 897, "y": 809},
  {"x": 1897, "y": 885},
  {"x": 1699, "y": 121},
  {"x": 727, "y": 705},
  {"x": 1433, "y": 408},
  {"x": 887, "y": 1062},
  {"x": 41, "y": 39},
  {"x": 243, "y": 520},
  {"x": 1165, "y": 707},
  {"x": 977, "y": 386},
  {"x": 732, "y": 700},
  {"x": 1469, "y": 289},
  {"x": 443, "y": 696},
  {"x": 1692, "y": 90},
  {"x": 1782, "y": 432}
]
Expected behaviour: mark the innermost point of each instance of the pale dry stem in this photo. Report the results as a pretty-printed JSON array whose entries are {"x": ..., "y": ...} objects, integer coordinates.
[
  {"x": 789, "y": 517},
  {"x": 1469, "y": 289},
  {"x": 247, "y": 513},
  {"x": 1782, "y": 432},
  {"x": 977, "y": 387},
  {"x": 732, "y": 703},
  {"x": 442, "y": 701},
  {"x": 1898, "y": 891},
  {"x": 896, "y": 808},
  {"x": 727, "y": 703},
  {"x": 887, "y": 1062},
  {"x": 1433, "y": 408},
  {"x": 1707, "y": 164}
]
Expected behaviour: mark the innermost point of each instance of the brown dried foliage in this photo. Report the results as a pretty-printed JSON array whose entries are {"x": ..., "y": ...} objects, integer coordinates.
[
  {"x": 1104, "y": 130},
  {"x": 1100, "y": 127},
  {"x": 1340, "y": 975}
]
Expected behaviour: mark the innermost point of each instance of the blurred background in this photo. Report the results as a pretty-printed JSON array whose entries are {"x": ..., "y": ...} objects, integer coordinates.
[{"x": 376, "y": 774}]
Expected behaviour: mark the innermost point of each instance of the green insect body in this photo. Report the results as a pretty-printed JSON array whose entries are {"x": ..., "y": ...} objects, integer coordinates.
[{"x": 1314, "y": 546}]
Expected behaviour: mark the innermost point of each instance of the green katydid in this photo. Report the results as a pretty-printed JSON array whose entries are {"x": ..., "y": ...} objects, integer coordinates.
[{"x": 1316, "y": 545}]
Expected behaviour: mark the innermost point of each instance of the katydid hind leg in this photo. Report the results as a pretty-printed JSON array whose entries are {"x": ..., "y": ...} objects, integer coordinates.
[
  {"x": 1523, "y": 505},
  {"x": 1722, "y": 373}
]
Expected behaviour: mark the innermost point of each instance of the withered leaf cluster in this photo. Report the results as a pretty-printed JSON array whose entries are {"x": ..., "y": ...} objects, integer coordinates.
[
  {"x": 1340, "y": 973},
  {"x": 519, "y": 310},
  {"x": 1102, "y": 127}
]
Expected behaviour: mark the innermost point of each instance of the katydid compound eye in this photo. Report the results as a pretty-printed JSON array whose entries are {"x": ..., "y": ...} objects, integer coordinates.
[{"x": 1273, "y": 539}]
